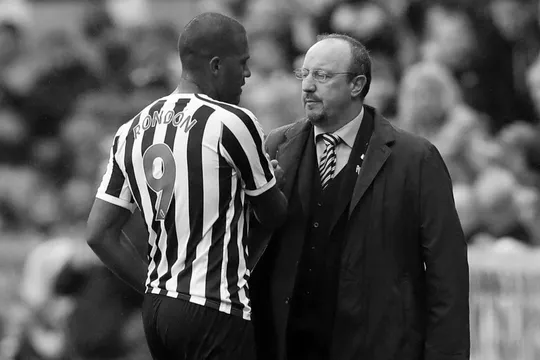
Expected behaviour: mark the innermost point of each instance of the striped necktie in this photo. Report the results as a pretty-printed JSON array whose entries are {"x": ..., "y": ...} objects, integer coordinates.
[{"x": 327, "y": 165}]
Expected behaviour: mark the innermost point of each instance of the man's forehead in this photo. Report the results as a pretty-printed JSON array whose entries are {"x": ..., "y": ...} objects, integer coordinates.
[{"x": 328, "y": 53}]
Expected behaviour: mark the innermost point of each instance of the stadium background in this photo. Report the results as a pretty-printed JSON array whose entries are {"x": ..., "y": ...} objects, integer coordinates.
[{"x": 464, "y": 74}]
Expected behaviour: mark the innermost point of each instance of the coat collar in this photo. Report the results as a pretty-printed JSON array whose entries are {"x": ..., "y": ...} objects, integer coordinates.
[{"x": 290, "y": 151}]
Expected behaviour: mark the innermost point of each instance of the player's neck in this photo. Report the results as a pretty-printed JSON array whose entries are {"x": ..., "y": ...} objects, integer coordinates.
[{"x": 190, "y": 86}]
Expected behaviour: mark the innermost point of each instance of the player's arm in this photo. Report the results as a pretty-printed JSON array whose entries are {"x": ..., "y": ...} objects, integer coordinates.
[
  {"x": 105, "y": 237},
  {"x": 111, "y": 211},
  {"x": 243, "y": 147},
  {"x": 270, "y": 207}
]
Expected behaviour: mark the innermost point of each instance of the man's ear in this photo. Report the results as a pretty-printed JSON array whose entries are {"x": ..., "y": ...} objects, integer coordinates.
[
  {"x": 215, "y": 64},
  {"x": 358, "y": 84}
]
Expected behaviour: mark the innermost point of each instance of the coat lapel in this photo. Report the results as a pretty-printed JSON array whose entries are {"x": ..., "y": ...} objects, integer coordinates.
[
  {"x": 289, "y": 154},
  {"x": 377, "y": 153}
]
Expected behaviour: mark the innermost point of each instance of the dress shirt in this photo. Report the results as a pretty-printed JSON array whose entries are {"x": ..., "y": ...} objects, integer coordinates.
[{"x": 347, "y": 133}]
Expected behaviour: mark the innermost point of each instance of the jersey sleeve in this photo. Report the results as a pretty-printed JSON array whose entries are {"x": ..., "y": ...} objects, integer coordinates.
[
  {"x": 242, "y": 145},
  {"x": 114, "y": 187}
]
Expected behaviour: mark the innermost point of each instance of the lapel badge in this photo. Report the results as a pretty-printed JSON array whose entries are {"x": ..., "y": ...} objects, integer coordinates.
[{"x": 357, "y": 169}]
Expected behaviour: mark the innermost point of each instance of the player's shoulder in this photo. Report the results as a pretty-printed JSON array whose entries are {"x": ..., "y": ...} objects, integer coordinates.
[
  {"x": 227, "y": 110},
  {"x": 123, "y": 130}
]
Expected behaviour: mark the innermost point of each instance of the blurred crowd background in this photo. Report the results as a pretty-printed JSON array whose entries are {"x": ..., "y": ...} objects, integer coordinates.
[{"x": 464, "y": 74}]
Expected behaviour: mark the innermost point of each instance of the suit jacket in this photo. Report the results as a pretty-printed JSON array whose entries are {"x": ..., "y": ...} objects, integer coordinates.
[{"x": 403, "y": 282}]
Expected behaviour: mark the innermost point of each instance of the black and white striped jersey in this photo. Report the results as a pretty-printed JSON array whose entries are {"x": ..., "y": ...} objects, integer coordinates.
[{"x": 188, "y": 162}]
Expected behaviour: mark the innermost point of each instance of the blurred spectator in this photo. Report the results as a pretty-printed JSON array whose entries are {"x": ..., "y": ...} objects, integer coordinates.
[
  {"x": 275, "y": 20},
  {"x": 97, "y": 24},
  {"x": 517, "y": 22},
  {"x": 116, "y": 59},
  {"x": 533, "y": 82},
  {"x": 74, "y": 308},
  {"x": 499, "y": 211},
  {"x": 13, "y": 137},
  {"x": 14, "y": 129},
  {"x": 10, "y": 42},
  {"x": 528, "y": 201},
  {"x": 24, "y": 195},
  {"x": 272, "y": 91},
  {"x": 105, "y": 322},
  {"x": 532, "y": 160},
  {"x": 521, "y": 151},
  {"x": 129, "y": 13},
  {"x": 430, "y": 104},
  {"x": 465, "y": 40},
  {"x": 64, "y": 76},
  {"x": 83, "y": 137},
  {"x": 383, "y": 90},
  {"x": 154, "y": 58},
  {"x": 366, "y": 21},
  {"x": 40, "y": 332}
]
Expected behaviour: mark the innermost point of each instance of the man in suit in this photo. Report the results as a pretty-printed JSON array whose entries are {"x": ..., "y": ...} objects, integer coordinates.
[{"x": 372, "y": 261}]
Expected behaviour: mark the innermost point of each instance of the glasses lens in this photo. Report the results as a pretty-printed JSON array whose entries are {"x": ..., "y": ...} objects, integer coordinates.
[
  {"x": 319, "y": 75},
  {"x": 299, "y": 74}
]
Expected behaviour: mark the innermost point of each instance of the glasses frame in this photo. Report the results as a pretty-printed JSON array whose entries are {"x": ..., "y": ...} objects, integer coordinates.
[{"x": 302, "y": 73}]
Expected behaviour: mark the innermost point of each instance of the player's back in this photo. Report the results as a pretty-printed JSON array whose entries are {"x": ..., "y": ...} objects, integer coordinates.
[{"x": 187, "y": 160}]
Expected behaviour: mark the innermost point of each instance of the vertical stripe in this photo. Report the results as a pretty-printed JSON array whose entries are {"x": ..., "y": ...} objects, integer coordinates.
[
  {"x": 243, "y": 271},
  {"x": 232, "y": 248},
  {"x": 249, "y": 123},
  {"x": 215, "y": 254},
  {"x": 195, "y": 193},
  {"x": 128, "y": 164},
  {"x": 181, "y": 207},
  {"x": 146, "y": 142},
  {"x": 210, "y": 161},
  {"x": 239, "y": 157},
  {"x": 116, "y": 183},
  {"x": 171, "y": 253},
  {"x": 224, "y": 286}
]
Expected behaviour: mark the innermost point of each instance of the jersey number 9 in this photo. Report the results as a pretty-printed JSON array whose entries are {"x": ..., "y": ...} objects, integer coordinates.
[{"x": 160, "y": 173}]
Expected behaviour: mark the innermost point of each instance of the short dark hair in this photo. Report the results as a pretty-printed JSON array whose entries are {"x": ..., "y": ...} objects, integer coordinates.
[
  {"x": 207, "y": 35},
  {"x": 360, "y": 60}
]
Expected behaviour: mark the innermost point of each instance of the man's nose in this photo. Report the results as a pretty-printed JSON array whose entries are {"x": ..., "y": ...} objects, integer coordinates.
[
  {"x": 247, "y": 72},
  {"x": 308, "y": 84}
]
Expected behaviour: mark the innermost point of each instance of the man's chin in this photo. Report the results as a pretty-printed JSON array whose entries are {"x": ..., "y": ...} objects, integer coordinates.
[{"x": 315, "y": 118}]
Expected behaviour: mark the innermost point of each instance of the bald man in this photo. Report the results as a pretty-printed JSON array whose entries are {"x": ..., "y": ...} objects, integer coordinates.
[
  {"x": 371, "y": 262},
  {"x": 191, "y": 162}
]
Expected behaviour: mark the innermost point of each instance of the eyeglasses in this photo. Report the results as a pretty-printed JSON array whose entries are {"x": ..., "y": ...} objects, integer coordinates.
[{"x": 320, "y": 76}]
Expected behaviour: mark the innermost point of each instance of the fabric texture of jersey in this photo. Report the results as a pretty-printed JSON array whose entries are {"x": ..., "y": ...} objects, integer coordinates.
[{"x": 188, "y": 162}]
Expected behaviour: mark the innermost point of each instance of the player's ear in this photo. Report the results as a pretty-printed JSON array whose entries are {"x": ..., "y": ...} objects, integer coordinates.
[{"x": 215, "y": 64}]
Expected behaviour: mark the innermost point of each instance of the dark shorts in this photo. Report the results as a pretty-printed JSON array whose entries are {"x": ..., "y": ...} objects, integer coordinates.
[{"x": 179, "y": 330}]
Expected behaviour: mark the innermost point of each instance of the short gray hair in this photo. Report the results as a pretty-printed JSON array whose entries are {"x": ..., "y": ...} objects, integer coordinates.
[{"x": 360, "y": 62}]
